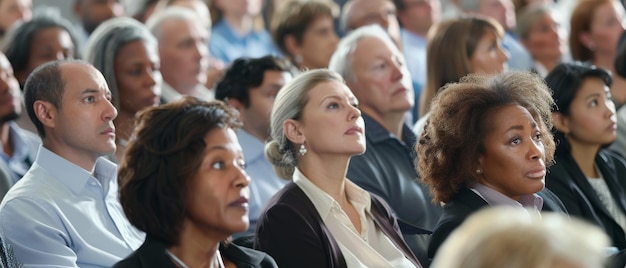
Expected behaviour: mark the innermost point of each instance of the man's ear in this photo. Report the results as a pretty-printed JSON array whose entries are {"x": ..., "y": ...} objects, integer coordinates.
[
  {"x": 235, "y": 103},
  {"x": 585, "y": 39},
  {"x": 292, "y": 131},
  {"x": 46, "y": 113},
  {"x": 561, "y": 122}
]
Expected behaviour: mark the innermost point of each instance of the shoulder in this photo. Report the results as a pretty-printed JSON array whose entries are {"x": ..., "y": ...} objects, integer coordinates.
[{"x": 247, "y": 257}]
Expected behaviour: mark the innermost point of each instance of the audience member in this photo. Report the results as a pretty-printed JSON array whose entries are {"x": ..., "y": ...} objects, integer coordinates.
[
  {"x": 304, "y": 33},
  {"x": 47, "y": 37},
  {"x": 416, "y": 17},
  {"x": 183, "y": 52},
  {"x": 619, "y": 145},
  {"x": 596, "y": 26},
  {"x": 90, "y": 13},
  {"x": 126, "y": 54},
  {"x": 506, "y": 237},
  {"x": 374, "y": 70},
  {"x": 322, "y": 219},
  {"x": 456, "y": 48},
  {"x": 503, "y": 12},
  {"x": 19, "y": 147},
  {"x": 12, "y": 11},
  {"x": 200, "y": 7},
  {"x": 183, "y": 182},
  {"x": 145, "y": 9},
  {"x": 65, "y": 212},
  {"x": 234, "y": 35},
  {"x": 586, "y": 176},
  {"x": 357, "y": 13},
  {"x": 492, "y": 141},
  {"x": 543, "y": 36},
  {"x": 250, "y": 86}
]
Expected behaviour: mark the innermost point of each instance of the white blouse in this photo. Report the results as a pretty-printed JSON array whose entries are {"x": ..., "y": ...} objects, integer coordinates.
[{"x": 369, "y": 248}]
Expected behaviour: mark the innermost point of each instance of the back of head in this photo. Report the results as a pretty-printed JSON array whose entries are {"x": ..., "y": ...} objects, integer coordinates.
[
  {"x": 16, "y": 43},
  {"x": 565, "y": 81},
  {"x": 515, "y": 238},
  {"x": 105, "y": 42},
  {"x": 289, "y": 104},
  {"x": 246, "y": 73},
  {"x": 457, "y": 126},
  {"x": 163, "y": 155},
  {"x": 45, "y": 83},
  {"x": 295, "y": 18},
  {"x": 451, "y": 45}
]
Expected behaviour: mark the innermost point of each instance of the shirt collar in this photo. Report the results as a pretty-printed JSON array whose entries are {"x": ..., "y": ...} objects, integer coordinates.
[
  {"x": 411, "y": 38},
  {"x": 324, "y": 203},
  {"x": 495, "y": 198},
  {"x": 377, "y": 133},
  {"x": 71, "y": 175}
]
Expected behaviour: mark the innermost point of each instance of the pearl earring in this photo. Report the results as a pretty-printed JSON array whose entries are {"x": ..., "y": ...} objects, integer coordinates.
[{"x": 302, "y": 149}]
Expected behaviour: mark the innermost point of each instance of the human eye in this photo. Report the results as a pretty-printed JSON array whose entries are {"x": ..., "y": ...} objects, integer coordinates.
[
  {"x": 355, "y": 105},
  {"x": 242, "y": 164},
  {"x": 89, "y": 99},
  {"x": 593, "y": 103},
  {"x": 515, "y": 141},
  {"x": 538, "y": 136},
  {"x": 219, "y": 165},
  {"x": 332, "y": 106}
]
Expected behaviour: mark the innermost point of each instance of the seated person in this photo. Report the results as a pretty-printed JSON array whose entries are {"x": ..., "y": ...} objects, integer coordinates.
[
  {"x": 487, "y": 143},
  {"x": 183, "y": 182}
]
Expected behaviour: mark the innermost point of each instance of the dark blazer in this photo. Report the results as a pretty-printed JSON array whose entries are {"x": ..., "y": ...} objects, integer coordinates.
[
  {"x": 152, "y": 254},
  {"x": 466, "y": 202},
  {"x": 569, "y": 183},
  {"x": 462, "y": 205},
  {"x": 291, "y": 231}
]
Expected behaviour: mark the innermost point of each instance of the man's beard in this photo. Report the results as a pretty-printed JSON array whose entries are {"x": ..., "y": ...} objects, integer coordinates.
[{"x": 9, "y": 117}]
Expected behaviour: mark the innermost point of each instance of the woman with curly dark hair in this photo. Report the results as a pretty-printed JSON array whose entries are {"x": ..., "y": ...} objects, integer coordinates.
[{"x": 487, "y": 143}]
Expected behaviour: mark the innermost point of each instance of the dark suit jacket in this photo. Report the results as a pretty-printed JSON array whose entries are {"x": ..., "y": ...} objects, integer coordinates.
[
  {"x": 463, "y": 203},
  {"x": 293, "y": 233},
  {"x": 569, "y": 183},
  {"x": 466, "y": 202},
  {"x": 152, "y": 254}
]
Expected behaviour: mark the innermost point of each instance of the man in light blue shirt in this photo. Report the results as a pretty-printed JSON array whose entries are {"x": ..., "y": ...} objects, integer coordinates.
[
  {"x": 65, "y": 212},
  {"x": 250, "y": 86}
]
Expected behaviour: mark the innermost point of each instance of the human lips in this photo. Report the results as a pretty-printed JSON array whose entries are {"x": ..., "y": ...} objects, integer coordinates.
[
  {"x": 109, "y": 131},
  {"x": 240, "y": 202},
  {"x": 537, "y": 173},
  {"x": 354, "y": 131}
]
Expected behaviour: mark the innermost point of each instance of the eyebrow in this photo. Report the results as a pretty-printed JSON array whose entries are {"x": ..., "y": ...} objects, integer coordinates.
[
  {"x": 593, "y": 95},
  {"x": 520, "y": 127}
]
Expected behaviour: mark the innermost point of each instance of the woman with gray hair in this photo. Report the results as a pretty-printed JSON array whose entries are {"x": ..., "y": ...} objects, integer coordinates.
[
  {"x": 126, "y": 53},
  {"x": 322, "y": 219},
  {"x": 544, "y": 37}
]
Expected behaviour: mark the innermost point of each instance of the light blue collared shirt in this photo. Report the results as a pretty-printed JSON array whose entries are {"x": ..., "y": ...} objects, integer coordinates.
[
  {"x": 264, "y": 182},
  {"x": 60, "y": 215},
  {"x": 227, "y": 46},
  {"x": 25, "y": 146},
  {"x": 414, "y": 47},
  {"x": 519, "y": 58}
]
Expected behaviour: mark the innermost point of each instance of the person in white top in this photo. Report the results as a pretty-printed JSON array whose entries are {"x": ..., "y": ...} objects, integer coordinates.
[{"x": 322, "y": 219}]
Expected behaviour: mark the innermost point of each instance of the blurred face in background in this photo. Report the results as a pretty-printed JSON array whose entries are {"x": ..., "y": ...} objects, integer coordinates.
[
  {"x": 138, "y": 77},
  {"x": 502, "y": 11},
  {"x": 47, "y": 44},
  {"x": 419, "y": 15},
  {"x": 184, "y": 53},
  {"x": 12, "y": 11},
  {"x": 10, "y": 105},
  {"x": 607, "y": 25},
  {"x": 546, "y": 40},
  {"x": 319, "y": 42},
  {"x": 489, "y": 57},
  {"x": 93, "y": 12}
]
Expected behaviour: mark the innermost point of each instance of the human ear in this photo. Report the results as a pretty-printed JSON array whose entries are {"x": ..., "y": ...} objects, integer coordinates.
[
  {"x": 561, "y": 122},
  {"x": 585, "y": 39},
  {"x": 45, "y": 112},
  {"x": 292, "y": 46},
  {"x": 292, "y": 131}
]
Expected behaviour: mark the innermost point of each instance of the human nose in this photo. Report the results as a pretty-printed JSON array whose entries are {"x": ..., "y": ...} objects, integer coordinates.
[
  {"x": 242, "y": 179},
  {"x": 110, "y": 112},
  {"x": 536, "y": 150}
]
